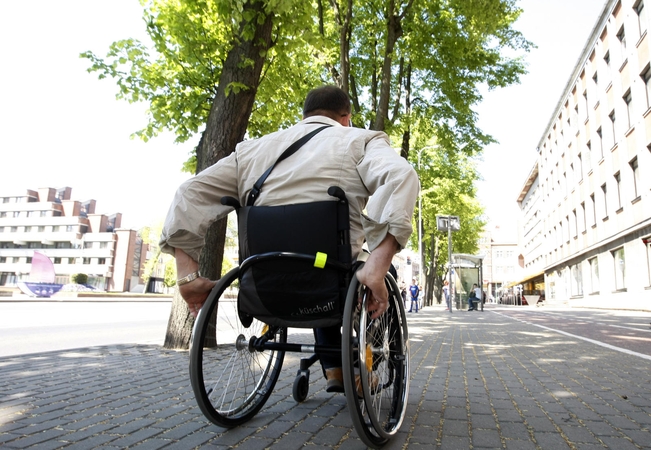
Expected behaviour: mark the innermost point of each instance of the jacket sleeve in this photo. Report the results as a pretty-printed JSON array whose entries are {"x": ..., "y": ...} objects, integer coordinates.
[
  {"x": 197, "y": 204},
  {"x": 394, "y": 188}
]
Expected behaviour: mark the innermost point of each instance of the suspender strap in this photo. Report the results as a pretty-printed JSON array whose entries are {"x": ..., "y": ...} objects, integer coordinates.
[{"x": 255, "y": 191}]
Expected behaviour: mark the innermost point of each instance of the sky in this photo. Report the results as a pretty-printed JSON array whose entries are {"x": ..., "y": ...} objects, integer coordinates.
[{"x": 61, "y": 126}]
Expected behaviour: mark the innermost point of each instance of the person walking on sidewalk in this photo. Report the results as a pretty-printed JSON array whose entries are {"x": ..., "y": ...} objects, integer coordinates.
[
  {"x": 446, "y": 293},
  {"x": 414, "y": 290}
]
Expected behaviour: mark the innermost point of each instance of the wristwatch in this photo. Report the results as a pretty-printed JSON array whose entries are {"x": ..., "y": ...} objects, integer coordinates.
[{"x": 188, "y": 278}]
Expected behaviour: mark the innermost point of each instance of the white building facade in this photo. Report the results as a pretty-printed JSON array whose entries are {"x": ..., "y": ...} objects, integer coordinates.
[
  {"x": 74, "y": 238},
  {"x": 586, "y": 206}
]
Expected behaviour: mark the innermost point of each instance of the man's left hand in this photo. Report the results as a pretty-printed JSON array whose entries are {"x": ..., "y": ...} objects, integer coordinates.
[{"x": 196, "y": 292}]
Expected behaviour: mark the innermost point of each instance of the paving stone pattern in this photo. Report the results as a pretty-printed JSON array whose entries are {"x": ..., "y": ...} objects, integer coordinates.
[{"x": 478, "y": 381}]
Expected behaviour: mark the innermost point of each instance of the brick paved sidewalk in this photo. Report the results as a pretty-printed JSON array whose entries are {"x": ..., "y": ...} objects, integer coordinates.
[{"x": 479, "y": 380}]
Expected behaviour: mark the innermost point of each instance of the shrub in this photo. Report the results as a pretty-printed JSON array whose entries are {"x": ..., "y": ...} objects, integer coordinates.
[{"x": 79, "y": 278}]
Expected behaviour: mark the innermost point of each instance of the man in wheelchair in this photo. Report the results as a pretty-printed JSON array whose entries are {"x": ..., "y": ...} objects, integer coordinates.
[{"x": 380, "y": 186}]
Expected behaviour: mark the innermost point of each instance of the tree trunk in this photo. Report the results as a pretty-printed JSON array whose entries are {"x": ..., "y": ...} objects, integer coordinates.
[
  {"x": 344, "y": 46},
  {"x": 406, "y": 135},
  {"x": 226, "y": 126},
  {"x": 394, "y": 31},
  {"x": 179, "y": 325}
]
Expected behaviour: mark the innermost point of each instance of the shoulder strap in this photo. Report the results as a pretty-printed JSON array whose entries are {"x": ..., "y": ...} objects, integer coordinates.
[{"x": 289, "y": 151}]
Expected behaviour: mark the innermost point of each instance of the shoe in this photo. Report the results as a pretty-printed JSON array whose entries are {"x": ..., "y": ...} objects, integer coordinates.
[
  {"x": 334, "y": 380},
  {"x": 373, "y": 383}
]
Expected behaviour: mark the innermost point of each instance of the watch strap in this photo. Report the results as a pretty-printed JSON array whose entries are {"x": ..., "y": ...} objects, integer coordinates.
[{"x": 188, "y": 278}]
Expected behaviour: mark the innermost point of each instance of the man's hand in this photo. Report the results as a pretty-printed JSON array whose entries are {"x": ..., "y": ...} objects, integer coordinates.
[
  {"x": 372, "y": 276},
  {"x": 377, "y": 295},
  {"x": 195, "y": 293}
]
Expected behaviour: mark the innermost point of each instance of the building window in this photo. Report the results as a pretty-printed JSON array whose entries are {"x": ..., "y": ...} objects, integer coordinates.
[
  {"x": 628, "y": 99},
  {"x": 600, "y": 142},
  {"x": 101, "y": 261},
  {"x": 636, "y": 177},
  {"x": 621, "y": 37},
  {"x": 583, "y": 217},
  {"x": 41, "y": 229},
  {"x": 13, "y": 229},
  {"x": 593, "y": 209},
  {"x": 55, "y": 228},
  {"x": 88, "y": 245},
  {"x": 575, "y": 223},
  {"x": 70, "y": 228},
  {"x": 641, "y": 16},
  {"x": 613, "y": 128},
  {"x": 86, "y": 261},
  {"x": 3, "y": 259},
  {"x": 588, "y": 159},
  {"x": 594, "y": 275},
  {"x": 103, "y": 245},
  {"x": 618, "y": 184},
  {"x": 580, "y": 159},
  {"x": 604, "y": 191},
  {"x": 57, "y": 260},
  {"x": 620, "y": 268},
  {"x": 43, "y": 214},
  {"x": 16, "y": 213},
  {"x": 577, "y": 281},
  {"x": 646, "y": 77}
]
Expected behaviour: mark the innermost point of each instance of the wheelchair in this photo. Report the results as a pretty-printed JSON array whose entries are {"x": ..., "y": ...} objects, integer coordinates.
[{"x": 285, "y": 281}]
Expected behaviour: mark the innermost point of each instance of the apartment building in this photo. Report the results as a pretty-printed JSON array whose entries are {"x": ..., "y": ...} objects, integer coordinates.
[
  {"x": 585, "y": 206},
  {"x": 72, "y": 235},
  {"x": 501, "y": 266}
]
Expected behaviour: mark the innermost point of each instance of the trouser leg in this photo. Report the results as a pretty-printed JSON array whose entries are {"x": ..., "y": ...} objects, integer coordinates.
[{"x": 329, "y": 336}]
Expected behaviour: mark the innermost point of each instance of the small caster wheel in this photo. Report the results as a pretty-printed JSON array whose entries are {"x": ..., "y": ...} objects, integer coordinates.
[{"x": 301, "y": 388}]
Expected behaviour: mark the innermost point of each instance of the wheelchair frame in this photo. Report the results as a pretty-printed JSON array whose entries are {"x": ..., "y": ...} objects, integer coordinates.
[{"x": 234, "y": 369}]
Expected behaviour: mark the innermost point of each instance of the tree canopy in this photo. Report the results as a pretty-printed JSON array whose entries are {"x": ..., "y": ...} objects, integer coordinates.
[{"x": 411, "y": 66}]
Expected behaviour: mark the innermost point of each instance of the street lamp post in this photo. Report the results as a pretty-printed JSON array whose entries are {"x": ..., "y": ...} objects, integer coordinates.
[
  {"x": 449, "y": 224},
  {"x": 420, "y": 224}
]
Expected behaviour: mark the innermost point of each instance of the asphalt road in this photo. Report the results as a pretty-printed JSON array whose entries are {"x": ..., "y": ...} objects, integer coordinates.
[
  {"x": 33, "y": 327},
  {"x": 627, "y": 331}
]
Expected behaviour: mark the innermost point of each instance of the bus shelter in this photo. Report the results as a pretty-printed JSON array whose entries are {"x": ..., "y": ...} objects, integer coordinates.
[{"x": 467, "y": 270}]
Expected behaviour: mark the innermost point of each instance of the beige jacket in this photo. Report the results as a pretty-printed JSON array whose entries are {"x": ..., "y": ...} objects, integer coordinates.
[{"x": 359, "y": 161}]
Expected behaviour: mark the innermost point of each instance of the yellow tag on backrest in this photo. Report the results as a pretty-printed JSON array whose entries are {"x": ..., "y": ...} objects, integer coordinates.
[{"x": 320, "y": 260}]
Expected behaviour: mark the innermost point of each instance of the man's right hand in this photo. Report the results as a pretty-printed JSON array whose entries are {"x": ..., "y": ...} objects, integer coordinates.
[{"x": 372, "y": 275}]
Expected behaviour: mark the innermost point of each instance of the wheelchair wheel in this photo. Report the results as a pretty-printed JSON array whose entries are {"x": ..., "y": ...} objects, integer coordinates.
[
  {"x": 301, "y": 387},
  {"x": 375, "y": 357},
  {"x": 230, "y": 380}
]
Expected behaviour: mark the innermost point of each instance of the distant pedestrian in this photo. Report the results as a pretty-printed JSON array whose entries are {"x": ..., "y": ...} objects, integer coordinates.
[
  {"x": 414, "y": 290},
  {"x": 403, "y": 293},
  {"x": 446, "y": 293}
]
